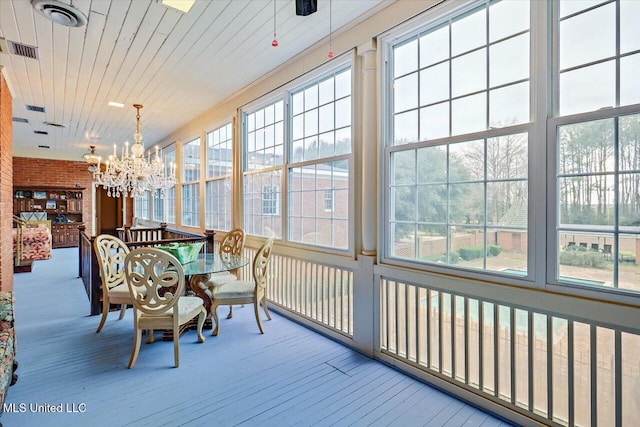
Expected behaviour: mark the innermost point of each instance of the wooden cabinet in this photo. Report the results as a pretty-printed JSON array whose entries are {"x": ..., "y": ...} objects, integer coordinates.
[{"x": 62, "y": 206}]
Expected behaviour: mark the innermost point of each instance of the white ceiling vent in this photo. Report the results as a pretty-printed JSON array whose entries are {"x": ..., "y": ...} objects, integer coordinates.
[{"x": 59, "y": 12}]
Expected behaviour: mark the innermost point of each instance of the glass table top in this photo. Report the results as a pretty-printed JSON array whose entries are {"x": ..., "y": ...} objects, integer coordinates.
[{"x": 214, "y": 263}]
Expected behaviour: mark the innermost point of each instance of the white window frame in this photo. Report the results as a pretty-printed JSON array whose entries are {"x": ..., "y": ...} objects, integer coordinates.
[
  {"x": 433, "y": 18},
  {"x": 194, "y": 182},
  {"x": 342, "y": 62},
  {"x": 218, "y": 178}
]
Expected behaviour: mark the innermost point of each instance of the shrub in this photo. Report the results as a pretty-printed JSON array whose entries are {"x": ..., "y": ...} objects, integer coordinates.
[
  {"x": 581, "y": 257},
  {"x": 494, "y": 250},
  {"x": 471, "y": 252}
]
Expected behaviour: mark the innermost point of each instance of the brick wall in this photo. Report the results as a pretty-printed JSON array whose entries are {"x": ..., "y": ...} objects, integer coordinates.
[
  {"x": 6, "y": 187},
  {"x": 55, "y": 173}
]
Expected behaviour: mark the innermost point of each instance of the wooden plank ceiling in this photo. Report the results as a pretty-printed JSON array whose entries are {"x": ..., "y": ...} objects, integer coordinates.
[{"x": 139, "y": 51}]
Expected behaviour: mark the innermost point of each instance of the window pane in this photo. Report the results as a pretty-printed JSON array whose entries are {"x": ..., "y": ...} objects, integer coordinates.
[
  {"x": 191, "y": 205},
  {"x": 507, "y": 18},
  {"x": 588, "y": 37},
  {"x": 264, "y": 144},
  {"x": 191, "y": 161},
  {"x": 469, "y": 114},
  {"x": 405, "y": 127},
  {"x": 219, "y": 154},
  {"x": 434, "y": 84},
  {"x": 434, "y": 47},
  {"x": 405, "y": 58},
  {"x": 434, "y": 121},
  {"x": 469, "y": 32},
  {"x": 469, "y": 73},
  {"x": 436, "y": 158},
  {"x": 509, "y": 105},
  {"x": 629, "y": 82},
  {"x": 629, "y": 28},
  {"x": 629, "y": 265},
  {"x": 507, "y": 157},
  {"x": 629, "y": 156},
  {"x": 262, "y": 204},
  {"x": 586, "y": 147},
  {"x": 405, "y": 92},
  {"x": 432, "y": 203},
  {"x": 586, "y": 258},
  {"x": 318, "y": 211},
  {"x": 509, "y": 60},
  {"x": 218, "y": 204},
  {"x": 629, "y": 202},
  {"x": 587, "y": 89}
]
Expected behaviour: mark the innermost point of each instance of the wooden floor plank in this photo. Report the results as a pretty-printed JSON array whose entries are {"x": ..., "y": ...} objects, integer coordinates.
[{"x": 288, "y": 376}]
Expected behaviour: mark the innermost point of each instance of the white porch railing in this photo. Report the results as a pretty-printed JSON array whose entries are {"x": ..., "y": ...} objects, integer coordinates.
[
  {"x": 547, "y": 366},
  {"x": 521, "y": 353}
]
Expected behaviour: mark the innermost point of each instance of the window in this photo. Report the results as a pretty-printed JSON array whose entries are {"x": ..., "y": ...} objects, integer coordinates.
[
  {"x": 328, "y": 200},
  {"x": 458, "y": 140},
  {"x": 191, "y": 186},
  {"x": 169, "y": 206},
  {"x": 316, "y": 166},
  {"x": 164, "y": 205},
  {"x": 270, "y": 199},
  {"x": 596, "y": 128},
  {"x": 218, "y": 186},
  {"x": 141, "y": 206},
  {"x": 320, "y": 153},
  {"x": 263, "y": 159}
]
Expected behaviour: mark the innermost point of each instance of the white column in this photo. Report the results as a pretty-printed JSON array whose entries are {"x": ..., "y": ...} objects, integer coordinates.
[{"x": 369, "y": 122}]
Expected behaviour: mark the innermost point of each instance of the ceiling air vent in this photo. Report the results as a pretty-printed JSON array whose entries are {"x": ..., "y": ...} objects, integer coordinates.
[
  {"x": 55, "y": 124},
  {"x": 20, "y": 120},
  {"x": 24, "y": 50},
  {"x": 35, "y": 108},
  {"x": 59, "y": 12},
  {"x": 41, "y": 132}
]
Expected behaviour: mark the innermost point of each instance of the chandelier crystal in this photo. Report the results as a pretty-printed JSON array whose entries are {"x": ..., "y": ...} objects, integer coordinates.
[{"x": 131, "y": 174}]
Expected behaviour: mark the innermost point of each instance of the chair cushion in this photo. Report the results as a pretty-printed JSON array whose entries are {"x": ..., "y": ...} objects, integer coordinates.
[
  {"x": 188, "y": 304},
  {"x": 122, "y": 290},
  {"x": 217, "y": 279},
  {"x": 235, "y": 289}
]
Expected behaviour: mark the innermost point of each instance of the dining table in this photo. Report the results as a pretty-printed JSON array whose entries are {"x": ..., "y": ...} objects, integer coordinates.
[{"x": 198, "y": 272}]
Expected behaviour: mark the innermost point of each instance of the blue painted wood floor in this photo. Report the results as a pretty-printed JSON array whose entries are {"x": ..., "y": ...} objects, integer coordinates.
[{"x": 288, "y": 376}]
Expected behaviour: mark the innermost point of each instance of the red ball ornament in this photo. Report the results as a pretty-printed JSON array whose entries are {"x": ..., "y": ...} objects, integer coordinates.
[
  {"x": 330, "y": 54},
  {"x": 274, "y": 43}
]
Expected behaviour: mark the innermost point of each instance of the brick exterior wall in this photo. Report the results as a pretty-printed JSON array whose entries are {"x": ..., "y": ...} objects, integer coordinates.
[
  {"x": 6, "y": 187},
  {"x": 55, "y": 173}
]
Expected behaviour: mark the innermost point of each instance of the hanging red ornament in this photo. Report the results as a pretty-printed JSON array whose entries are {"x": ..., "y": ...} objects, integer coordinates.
[
  {"x": 274, "y": 43},
  {"x": 330, "y": 54}
]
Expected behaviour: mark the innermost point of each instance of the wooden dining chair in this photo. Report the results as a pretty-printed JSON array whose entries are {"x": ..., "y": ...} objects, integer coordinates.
[
  {"x": 244, "y": 291},
  {"x": 156, "y": 284},
  {"x": 231, "y": 244},
  {"x": 111, "y": 252}
]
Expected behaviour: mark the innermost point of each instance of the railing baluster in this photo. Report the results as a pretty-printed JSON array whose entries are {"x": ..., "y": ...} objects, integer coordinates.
[
  {"x": 570, "y": 373},
  {"x": 530, "y": 348},
  {"x": 512, "y": 349},
  {"x": 550, "y": 367},
  {"x": 440, "y": 304},
  {"x": 618, "y": 377},
  {"x": 496, "y": 349},
  {"x": 593, "y": 332},
  {"x": 481, "y": 345}
]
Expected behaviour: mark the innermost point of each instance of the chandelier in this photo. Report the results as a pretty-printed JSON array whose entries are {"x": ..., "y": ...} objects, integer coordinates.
[{"x": 131, "y": 174}]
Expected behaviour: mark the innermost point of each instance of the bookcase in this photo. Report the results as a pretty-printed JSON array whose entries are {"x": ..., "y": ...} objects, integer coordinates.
[{"x": 60, "y": 205}]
